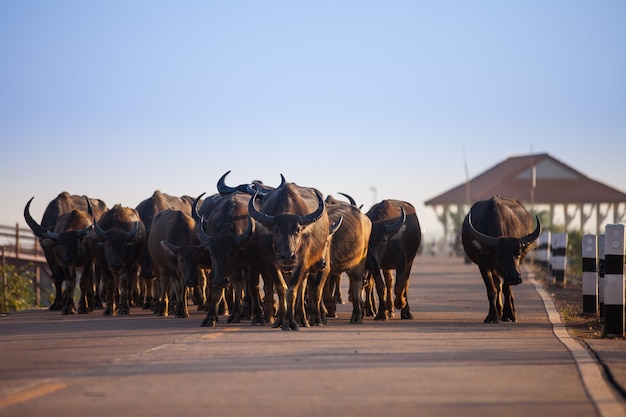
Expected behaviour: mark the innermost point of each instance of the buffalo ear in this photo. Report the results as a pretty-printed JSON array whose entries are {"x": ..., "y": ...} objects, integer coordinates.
[
  {"x": 46, "y": 243},
  {"x": 480, "y": 248}
]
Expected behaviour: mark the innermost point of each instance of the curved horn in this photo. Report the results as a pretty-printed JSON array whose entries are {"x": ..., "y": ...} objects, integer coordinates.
[
  {"x": 89, "y": 209},
  {"x": 204, "y": 238},
  {"x": 133, "y": 232},
  {"x": 395, "y": 226},
  {"x": 350, "y": 199},
  {"x": 532, "y": 236},
  {"x": 266, "y": 219},
  {"x": 39, "y": 231},
  {"x": 102, "y": 234},
  {"x": 282, "y": 181},
  {"x": 246, "y": 234},
  {"x": 194, "y": 207},
  {"x": 335, "y": 226},
  {"x": 315, "y": 216},
  {"x": 486, "y": 240},
  {"x": 172, "y": 247},
  {"x": 84, "y": 231},
  {"x": 222, "y": 188}
]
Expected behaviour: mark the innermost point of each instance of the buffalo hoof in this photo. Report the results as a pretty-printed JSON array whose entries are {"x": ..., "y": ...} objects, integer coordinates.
[
  {"x": 55, "y": 307},
  {"x": 109, "y": 312},
  {"x": 209, "y": 321},
  {"x": 491, "y": 319},
  {"x": 356, "y": 319},
  {"x": 290, "y": 325},
  {"x": 257, "y": 320},
  {"x": 406, "y": 314},
  {"x": 234, "y": 318},
  {"x": 83, "y": 310}
]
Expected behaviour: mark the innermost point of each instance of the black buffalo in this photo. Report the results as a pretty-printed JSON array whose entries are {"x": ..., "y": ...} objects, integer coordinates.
[
  {"x": 395, "y": 239},
  {"x": 228, "y": 232},
  {"x": 119, "y": 237},
  {"x": 497, "y": 234},
  {"x": 63, "y": 204}
]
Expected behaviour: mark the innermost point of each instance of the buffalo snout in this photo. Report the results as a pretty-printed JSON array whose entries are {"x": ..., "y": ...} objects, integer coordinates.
[{"x": 513, "y": 280}]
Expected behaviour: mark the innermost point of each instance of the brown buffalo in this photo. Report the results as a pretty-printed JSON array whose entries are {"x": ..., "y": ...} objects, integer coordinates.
[{"x": 292, "y": 240}]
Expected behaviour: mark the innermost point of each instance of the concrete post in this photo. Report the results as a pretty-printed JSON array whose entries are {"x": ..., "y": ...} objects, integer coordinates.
[
  {"x": 614, "y": 280},
  {"x": 601, "y": 244},
  {"x": 590, "y": 274},
  {"x": 559, "y": 257}
]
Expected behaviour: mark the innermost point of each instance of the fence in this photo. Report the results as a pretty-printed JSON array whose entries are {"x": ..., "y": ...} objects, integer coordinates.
[{"x": 18, "y": 246}]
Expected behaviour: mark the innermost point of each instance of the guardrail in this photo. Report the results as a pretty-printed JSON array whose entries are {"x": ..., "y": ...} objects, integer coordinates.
[{"x": 20, "y": 243}]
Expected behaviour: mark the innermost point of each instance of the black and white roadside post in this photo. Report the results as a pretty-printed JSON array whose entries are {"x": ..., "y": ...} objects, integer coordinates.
[
  {"x": 558, "y": 258},
  {"x": 590, "y": 274},
  {"x": 601, "y": 244},
  {"x": 542, "y": 253},
  {"x": 614, "y": 281}
]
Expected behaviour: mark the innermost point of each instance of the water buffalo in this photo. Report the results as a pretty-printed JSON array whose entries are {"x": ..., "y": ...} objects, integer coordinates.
[
  {"x": 395, "y": 239},
  {"x": 228, "y": 233},
  {"x": 120, "y": 237},
  {"x": 292, "y": 239},
  {"x": 497, "y": 234},
  {"x": 62, "y": 204},
  {"x": 179, "y": 257},
  {"x": 71, "y": 251},
  {"x": 147, "y": 209},
  {"x": 347, "y": 253}
]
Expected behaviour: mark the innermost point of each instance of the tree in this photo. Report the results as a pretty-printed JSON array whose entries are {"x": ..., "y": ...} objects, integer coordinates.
[{"x": 16, "y": 288}]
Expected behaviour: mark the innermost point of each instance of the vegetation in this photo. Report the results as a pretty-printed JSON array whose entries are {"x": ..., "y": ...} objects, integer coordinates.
[{"x": 16, "y": 288}]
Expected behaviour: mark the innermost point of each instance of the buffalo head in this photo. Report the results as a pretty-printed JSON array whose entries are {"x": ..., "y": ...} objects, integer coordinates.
[
  {"x": 508, "y": 252},
  {"x": 287, "y": 229}
]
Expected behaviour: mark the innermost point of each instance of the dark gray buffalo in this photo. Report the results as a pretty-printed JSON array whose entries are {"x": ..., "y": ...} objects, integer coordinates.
[
  {"x": 71, "y": 251},
  {"x": 395, "y": 239},
  {"x": 497, "y": 234},
  {"x": 60, "y": 205},
  {"x": 119, "y": 237},
  {"x": 292, "y": 241},
  {"x": 179, "y": 257},
  {"x": 228, "y": 233}
]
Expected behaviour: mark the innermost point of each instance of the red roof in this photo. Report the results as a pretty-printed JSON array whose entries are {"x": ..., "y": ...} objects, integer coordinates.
[{"x": 555, "y": 183}]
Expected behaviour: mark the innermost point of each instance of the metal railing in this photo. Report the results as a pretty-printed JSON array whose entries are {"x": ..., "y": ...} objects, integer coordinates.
[{"x": 20, "y": 243}]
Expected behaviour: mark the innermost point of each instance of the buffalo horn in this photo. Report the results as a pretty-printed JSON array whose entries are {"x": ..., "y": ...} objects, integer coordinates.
[
  {"x": 204, "y": 238},
  {"x": 245, "y": 235},
  {"x": 172, "y": 247},
  {"x": 484, "y": 239},
  {"x": 257, "y": 215},
  {"x": 101, "y": 233},
  {"x": 350, "y": 199},
  {"x": 532, "y": 236},
  {"x": 133, "y": 232},
  {"x": 395, "y": 226},
  {"x": 222, "y": 188},
  {"x": 194, "y": 207},
  {"x": 315, "y": 216},
  {"x": 39, "y": 231}
]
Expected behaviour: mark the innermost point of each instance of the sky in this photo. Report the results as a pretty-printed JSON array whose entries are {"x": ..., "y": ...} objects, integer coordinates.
[{"x": 377, "y": 99}]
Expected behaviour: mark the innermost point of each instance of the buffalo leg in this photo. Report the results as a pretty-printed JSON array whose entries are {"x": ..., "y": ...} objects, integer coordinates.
[
  {"x": 508, "y": 309},
  {"x": 70, "y": 285},
  {"x": 356, "y": 290},
  {"x": 212, "y": 317},
  {"x": 85, "y": 303},
  {"x": 493, "y": 295},
  {"x": 401, "y": 290}
]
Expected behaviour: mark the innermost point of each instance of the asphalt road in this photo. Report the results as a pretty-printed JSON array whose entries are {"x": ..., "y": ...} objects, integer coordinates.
[{"x": 445, "y": 362}]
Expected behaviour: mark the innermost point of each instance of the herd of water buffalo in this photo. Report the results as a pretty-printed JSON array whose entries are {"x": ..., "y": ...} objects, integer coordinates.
[{"x": 218, "y": 249}]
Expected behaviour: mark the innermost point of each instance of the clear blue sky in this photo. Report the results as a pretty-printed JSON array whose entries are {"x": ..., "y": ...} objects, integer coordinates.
[{"x": 116, "y": 99}]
